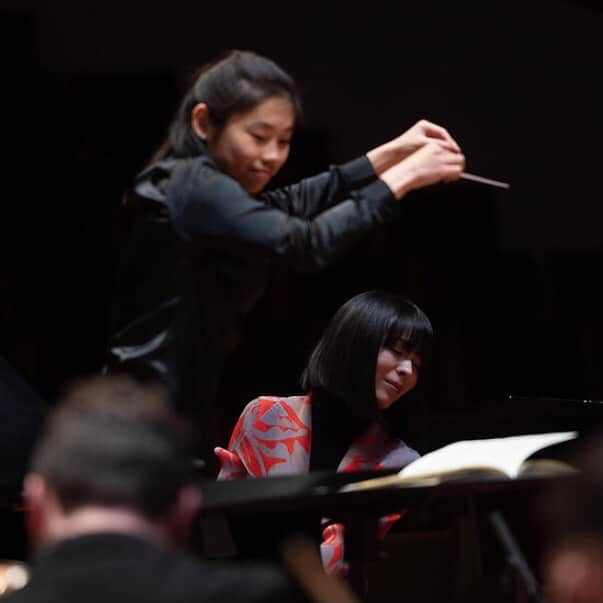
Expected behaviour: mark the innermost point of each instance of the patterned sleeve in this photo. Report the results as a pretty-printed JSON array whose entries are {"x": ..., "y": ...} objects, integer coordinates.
[
  {"x": 269, "y": 439},
  {"x": 331, "y": 548}
]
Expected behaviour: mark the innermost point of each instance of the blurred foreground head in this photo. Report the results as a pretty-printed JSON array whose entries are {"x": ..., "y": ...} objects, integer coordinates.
[
  {"x": 112, "y": 456},
  {"x": 573, "y": 518}
]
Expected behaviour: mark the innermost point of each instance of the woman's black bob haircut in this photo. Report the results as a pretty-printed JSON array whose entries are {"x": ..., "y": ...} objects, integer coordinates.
[
  {"x": 234, "y": 83},
  {"x": 344, "y": 361}
]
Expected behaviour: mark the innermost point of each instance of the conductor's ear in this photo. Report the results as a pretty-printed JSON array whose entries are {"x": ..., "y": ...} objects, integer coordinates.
[{"x": 200, "y": 120}]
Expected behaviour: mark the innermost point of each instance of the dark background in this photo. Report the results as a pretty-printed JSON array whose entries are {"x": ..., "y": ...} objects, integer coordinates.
[{"x": 509, "y": 279}]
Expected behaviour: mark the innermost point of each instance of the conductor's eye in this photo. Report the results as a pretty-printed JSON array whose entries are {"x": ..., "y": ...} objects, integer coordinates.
[{"x": 259, "y": 138}]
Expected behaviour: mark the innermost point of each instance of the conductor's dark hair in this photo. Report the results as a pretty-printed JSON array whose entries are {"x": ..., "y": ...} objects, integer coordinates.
[
  {"x": 344, "y": 361},
  {"x": 234, "y": 83},
  {"x": 113, "y": 441}
]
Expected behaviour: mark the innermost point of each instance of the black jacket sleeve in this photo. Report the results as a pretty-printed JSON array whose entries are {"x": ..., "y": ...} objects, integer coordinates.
[
  {"x": 204, "y": 202},
  {"x": 313, "y": 195}
]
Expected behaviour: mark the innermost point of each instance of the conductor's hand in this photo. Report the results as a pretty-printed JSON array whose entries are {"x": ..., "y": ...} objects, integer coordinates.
[
  {"x": 422, "y": 133},
  {"x": 434, "y": 162}
]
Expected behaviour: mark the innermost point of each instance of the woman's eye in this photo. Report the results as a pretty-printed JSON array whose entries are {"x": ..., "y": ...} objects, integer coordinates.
[
  {"x": 284, "y": 143},
  {"x": 259, "y": 138}
]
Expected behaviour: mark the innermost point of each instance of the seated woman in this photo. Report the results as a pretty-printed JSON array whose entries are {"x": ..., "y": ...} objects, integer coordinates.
[{"x": 368, "y": 358}]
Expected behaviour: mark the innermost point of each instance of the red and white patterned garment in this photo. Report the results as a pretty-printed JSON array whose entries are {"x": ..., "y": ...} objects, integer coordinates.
[{"x": 273, "y": 437}]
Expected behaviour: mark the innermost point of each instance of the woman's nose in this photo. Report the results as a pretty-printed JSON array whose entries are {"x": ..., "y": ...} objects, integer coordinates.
[
  {"x": 405, "y": 366},
  {"x": 271, "y": 153}
]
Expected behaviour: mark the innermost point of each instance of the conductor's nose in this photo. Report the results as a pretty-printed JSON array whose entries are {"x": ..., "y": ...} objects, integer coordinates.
[{"x": 271, "y": 153}]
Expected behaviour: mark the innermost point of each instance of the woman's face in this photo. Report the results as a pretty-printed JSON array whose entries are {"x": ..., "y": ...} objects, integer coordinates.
[
  {"x": 253, "y": 146},
  {"x": 397, "y": 373}
]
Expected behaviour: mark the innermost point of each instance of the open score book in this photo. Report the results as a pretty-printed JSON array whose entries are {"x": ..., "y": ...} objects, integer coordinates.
[{"x": 477, "y": 459}]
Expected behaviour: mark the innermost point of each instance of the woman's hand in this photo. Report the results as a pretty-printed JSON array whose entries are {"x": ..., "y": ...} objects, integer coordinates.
[
  {"x": 419, "y": 135},
  {"x": 398, "y": 149},
  {"x": 433, "y": 162}
]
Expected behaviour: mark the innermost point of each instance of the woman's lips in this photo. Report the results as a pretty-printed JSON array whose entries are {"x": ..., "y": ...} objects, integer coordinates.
[
  {"x": 395, "y": 386},
  {"x": 262, "y": 173}
]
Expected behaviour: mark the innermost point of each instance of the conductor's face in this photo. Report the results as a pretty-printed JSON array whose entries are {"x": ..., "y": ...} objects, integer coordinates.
[
  {"x": 396, "y": 375},
  {"x": 253, "y": 146}
]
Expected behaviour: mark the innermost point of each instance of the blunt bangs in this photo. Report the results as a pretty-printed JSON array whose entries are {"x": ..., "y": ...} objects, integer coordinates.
[
  {"x": 344, "y": 361},
  {"x": 413, "y": 329}
]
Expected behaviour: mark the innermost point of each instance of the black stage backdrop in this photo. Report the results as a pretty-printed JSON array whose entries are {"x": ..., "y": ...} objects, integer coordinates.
[{"x": 508, "y": 278}]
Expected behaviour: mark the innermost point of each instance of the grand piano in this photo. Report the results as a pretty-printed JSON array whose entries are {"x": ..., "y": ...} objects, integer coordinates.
[{"x": 446, "y": 545}]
